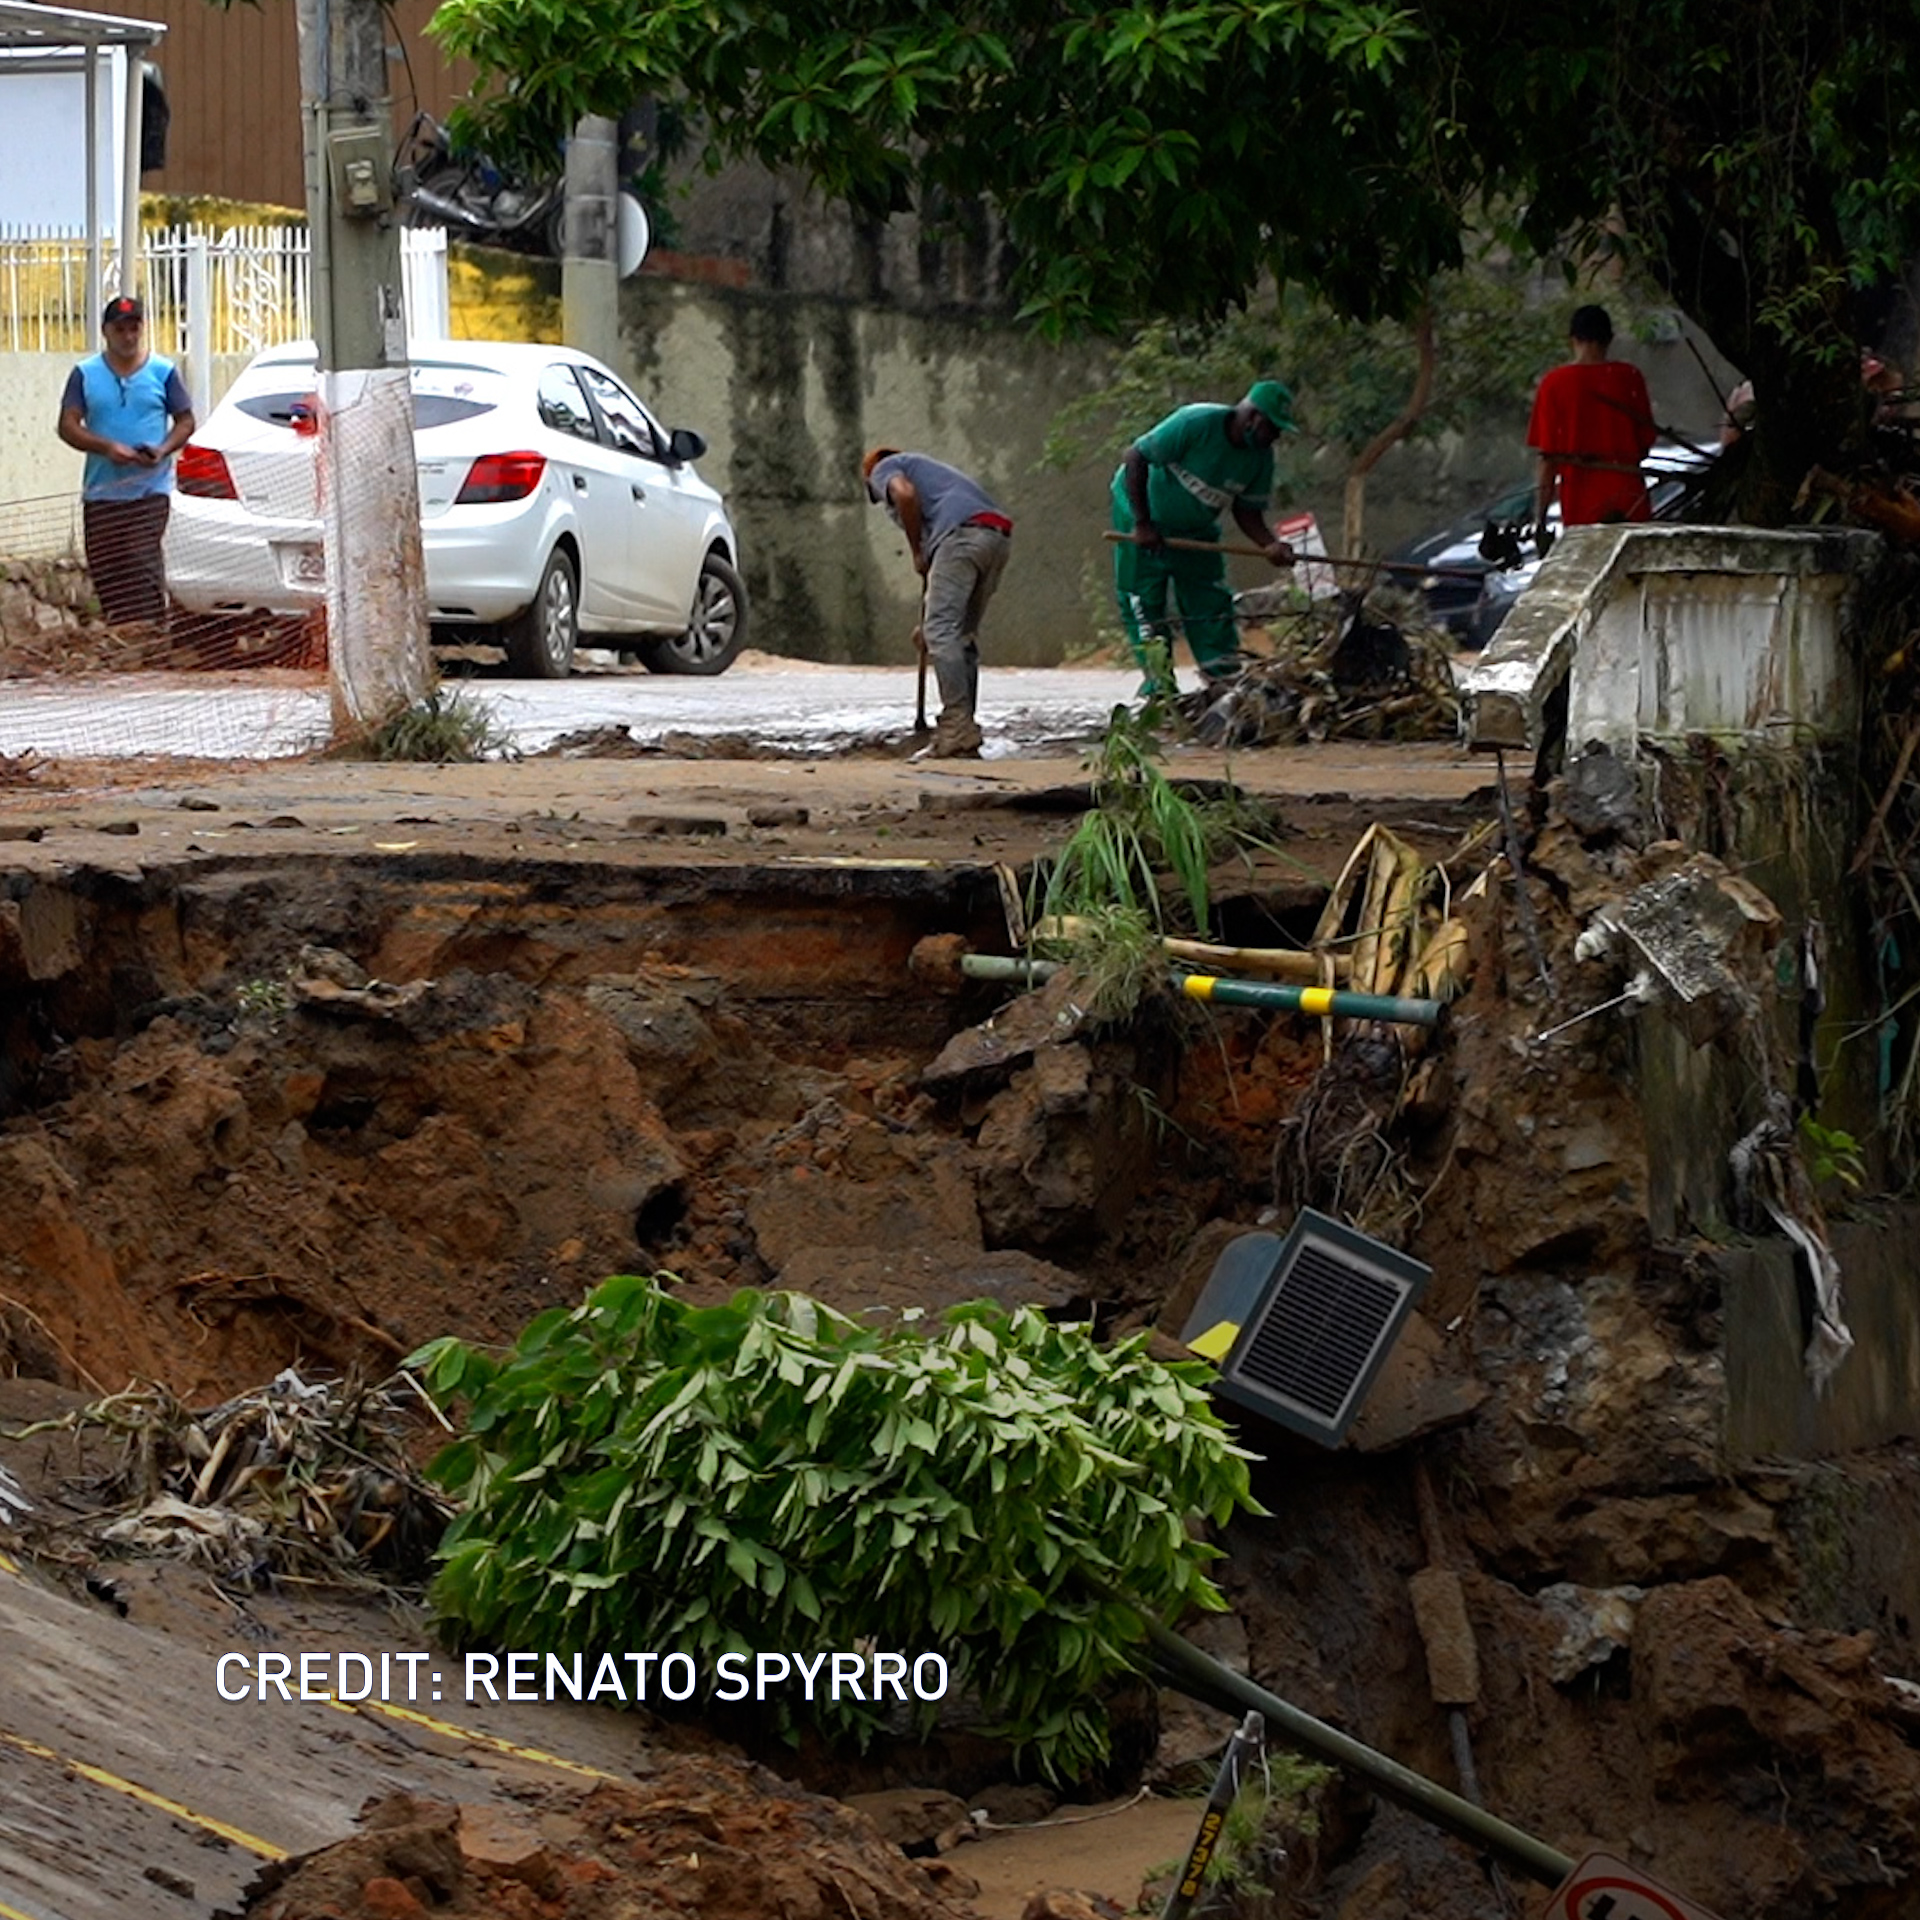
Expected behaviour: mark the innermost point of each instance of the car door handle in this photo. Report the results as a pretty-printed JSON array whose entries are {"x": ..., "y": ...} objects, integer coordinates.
[
  {"x": 579, "y": 483},
  {"x": 639, "y": 492}
]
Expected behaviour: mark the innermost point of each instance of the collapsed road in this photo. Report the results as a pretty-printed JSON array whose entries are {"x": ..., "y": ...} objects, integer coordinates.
[{"x": 306, "y": 1065}]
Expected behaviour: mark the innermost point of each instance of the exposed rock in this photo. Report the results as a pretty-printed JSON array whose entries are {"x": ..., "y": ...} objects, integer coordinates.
[
  {"x": 1061, "y": 1149},
  {"x": 1599, "y": 795},
  {"x": 1453, "y": 1657},
  {"x": 862, "y": 1280},
  {"x": 912, "y": 1818},
  {"x": 1055, "y": 1012},
  {"x": 1793, "y": 1729},
  {"x": 1422, "y": 1386},
  {"x": 1595, "y": 1623}
]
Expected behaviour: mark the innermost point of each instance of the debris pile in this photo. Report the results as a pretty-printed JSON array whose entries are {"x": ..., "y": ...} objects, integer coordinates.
[
  {"x": 296, "y": 1477},
  {"x": 1367, "y": 666},
  {"x": 703, "y": 1837}
]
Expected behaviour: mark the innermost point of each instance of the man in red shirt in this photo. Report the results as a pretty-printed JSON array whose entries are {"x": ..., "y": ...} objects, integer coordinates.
[{"x": 1592, "y": 425}]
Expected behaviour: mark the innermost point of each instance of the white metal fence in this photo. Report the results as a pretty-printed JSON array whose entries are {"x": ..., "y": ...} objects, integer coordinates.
[{"x": 228, "y": 292}]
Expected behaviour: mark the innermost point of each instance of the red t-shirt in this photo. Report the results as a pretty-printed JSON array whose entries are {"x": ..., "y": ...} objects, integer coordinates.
[{"x": 1595, "y": 411}]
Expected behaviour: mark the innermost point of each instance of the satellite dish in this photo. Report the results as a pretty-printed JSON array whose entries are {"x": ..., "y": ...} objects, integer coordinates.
[{"x": 633, "y": 235}]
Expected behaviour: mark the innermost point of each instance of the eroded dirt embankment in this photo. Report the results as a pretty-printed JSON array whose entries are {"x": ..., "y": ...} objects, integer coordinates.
[{"x": 319, "y": 1111}]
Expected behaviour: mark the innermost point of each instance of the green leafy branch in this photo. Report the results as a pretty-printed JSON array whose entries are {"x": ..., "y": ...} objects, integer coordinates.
[{"x": 770, "y": 1475}]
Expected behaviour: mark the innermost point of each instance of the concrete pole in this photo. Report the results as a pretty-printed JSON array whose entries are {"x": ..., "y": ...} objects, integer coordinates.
[
  {"x": 90, "y": 332},
  {"x": 589, "y": 274},
  {"x": 132, "y": 116},
  {"x": 199, "y": 323},
  {"x": 378, "y": 660}
]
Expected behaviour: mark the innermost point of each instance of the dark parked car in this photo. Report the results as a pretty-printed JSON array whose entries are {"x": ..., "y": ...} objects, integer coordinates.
[{"x": 1476, "y": 593}]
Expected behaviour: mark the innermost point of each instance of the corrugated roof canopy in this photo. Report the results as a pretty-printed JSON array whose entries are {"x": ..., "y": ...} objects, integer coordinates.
[{"x": 55, "y": 29}]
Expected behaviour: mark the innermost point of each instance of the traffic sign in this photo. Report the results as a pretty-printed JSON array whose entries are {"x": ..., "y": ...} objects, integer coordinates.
[{"x": 1603, "y": 1888}]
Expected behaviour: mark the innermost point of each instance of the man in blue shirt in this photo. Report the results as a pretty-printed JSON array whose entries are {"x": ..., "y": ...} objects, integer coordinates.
[
  {"x": 959, "y": 541},
  {"x": 127, "y": 410}
]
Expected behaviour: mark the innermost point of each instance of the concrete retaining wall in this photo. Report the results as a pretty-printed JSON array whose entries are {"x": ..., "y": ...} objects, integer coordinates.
[
  {"x": 1874, "y": 1396},
  {"x": 1655, "y": 632}
]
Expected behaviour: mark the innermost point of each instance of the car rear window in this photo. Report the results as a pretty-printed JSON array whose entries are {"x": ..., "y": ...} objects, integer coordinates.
[
  {"x": 444, "y": 393},
  {"x": 278, "y": 409},
  {"x": 434, "y": 404}
]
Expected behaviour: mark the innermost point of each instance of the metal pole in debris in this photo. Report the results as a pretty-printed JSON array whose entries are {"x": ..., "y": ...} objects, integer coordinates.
[
  {"x": 1205, "y": 1679},
  {"x": 1318, "y": 1002},
  {"x": 1248, "y": 1738}
]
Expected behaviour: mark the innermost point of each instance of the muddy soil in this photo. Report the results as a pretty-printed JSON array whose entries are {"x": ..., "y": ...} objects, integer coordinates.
[{"x": 307, "y": 1108}]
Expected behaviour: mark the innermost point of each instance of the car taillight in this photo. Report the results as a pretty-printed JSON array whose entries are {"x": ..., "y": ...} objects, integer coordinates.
[
  {"x": 501, "y": 476},
  {"x": 202, "y": 472}
]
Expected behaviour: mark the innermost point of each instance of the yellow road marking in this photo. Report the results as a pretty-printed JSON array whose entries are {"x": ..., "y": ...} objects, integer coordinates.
[
  {"x": 146, "y": 1796},
  {"x": 13, "y": 1913},
  {"x": 479, "y": 1739}
]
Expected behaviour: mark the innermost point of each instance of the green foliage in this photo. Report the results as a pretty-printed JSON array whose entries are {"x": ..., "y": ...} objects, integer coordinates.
[
  {"x": 1141, "y": 827},
  {"x": 1831, "y": 1154},
  {"x": 1145, "y": 159},
  {"x": 1763, "y": 164},
  {"x": 263, "y": 1000},
  {"x": 1117, "y": 956},
  {"x": 770, "y": 1475},
  {"x": 445, "y": 725},
  {"x": 1494, "y": 336}
]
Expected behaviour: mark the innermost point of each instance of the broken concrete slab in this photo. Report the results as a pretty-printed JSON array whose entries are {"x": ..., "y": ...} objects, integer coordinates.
[{"x": 1701, "y": 932}]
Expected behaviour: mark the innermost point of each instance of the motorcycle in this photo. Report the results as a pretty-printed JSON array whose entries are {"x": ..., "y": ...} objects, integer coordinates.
[{"x": 466, "y": 193}]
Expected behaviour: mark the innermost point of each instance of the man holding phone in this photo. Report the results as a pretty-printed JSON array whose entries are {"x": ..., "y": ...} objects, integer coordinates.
[{"x": 127, "y": 410}]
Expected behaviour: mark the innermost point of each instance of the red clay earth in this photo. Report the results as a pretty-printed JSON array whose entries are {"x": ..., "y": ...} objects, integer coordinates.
[{"x": 225, "y": 1151}]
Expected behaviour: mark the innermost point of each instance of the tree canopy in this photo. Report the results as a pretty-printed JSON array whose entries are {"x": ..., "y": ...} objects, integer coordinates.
[{"x": 1761, "y": 162}]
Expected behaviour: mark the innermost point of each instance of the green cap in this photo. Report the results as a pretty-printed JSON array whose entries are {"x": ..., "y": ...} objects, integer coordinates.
[{"x": 1272, "y": 399}]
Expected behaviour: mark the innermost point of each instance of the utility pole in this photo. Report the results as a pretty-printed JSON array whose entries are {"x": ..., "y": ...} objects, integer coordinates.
[
  {"x": 378, "y": 659},
  {"x": 589, "y": 273}
]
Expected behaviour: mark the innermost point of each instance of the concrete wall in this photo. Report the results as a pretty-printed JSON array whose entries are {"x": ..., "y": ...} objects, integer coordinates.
[
  {"x": 790, "y": 389},
  {"x": 1655, "y": 632},
  {"x": 1874, "y": 1396}
]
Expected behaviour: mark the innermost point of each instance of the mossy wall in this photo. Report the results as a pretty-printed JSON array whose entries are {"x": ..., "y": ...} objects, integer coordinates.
[{"x": 789, "y": 390}]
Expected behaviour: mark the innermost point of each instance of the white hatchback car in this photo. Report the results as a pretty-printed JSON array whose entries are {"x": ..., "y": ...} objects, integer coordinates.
[{"x": 554, "y": 509}]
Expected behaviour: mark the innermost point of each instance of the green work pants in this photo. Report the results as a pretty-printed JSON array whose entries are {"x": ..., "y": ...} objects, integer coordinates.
[{"x": 1199, "y": 582}]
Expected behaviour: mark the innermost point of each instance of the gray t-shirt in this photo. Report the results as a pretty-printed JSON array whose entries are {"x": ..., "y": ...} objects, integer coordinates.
[{"x": 948, "y": 497}]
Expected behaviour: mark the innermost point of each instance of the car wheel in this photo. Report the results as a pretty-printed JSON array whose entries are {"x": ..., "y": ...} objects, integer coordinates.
[
  {"x": 540, "y": 642},
  {"x": 716, "y": 629}
]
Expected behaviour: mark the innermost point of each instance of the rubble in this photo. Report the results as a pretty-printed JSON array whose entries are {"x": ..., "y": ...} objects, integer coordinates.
[
  {"x": 303, "y": 1477},
  {"x": 698, "y": 1839},
  {"x": 1368, "y": 666}
]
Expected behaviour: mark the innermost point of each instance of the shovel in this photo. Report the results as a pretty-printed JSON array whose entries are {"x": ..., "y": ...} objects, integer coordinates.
[
  {"x": 920, "y": 726},
  {"x": 1305, "y": 559}
]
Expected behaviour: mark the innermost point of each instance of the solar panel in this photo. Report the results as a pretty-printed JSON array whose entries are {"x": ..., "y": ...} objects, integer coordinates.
[{"x": 1311, "y": 1319}]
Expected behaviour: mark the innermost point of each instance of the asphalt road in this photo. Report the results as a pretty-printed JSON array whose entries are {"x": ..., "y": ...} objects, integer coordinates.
[{"x": 775, "y": 705}]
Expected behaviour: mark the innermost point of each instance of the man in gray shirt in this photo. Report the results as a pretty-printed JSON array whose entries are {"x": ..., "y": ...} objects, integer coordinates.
[{"x": 959, "y": 541}]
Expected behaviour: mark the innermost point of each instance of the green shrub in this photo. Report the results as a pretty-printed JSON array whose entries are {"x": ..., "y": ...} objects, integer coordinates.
[
  {"x": 772, "y": 1476},
  {"x": 445, "y": 726}
]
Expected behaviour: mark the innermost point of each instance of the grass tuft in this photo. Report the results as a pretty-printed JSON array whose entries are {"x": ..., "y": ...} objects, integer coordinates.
[{"x": 446, "y": 725}]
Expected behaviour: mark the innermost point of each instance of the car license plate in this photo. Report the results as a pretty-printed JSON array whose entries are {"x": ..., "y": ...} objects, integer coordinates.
[{"x": 303, "y": 566}]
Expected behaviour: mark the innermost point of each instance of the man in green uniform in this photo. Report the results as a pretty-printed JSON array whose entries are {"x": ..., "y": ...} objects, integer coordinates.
[{"x": 1173, "y": 484}]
